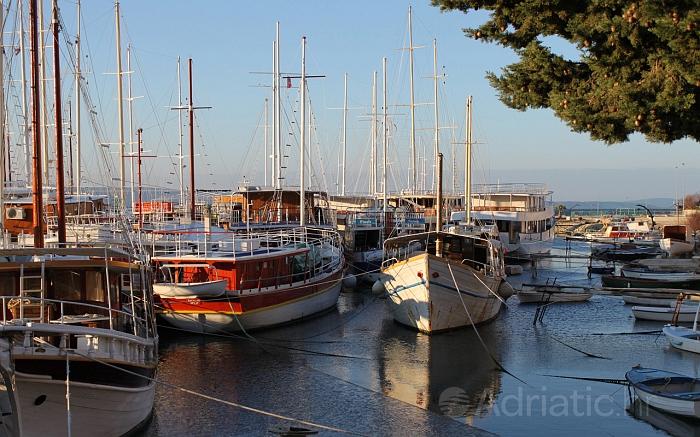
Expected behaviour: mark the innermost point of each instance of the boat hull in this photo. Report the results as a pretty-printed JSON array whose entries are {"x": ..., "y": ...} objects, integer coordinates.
[
  {"x": 660, "y": 314},
  {"x": 683, "y": 338},
  {"x": 98, "y": 409},
  {"x": 219, "y": 315},
  {"x": 624, "y": 282},
  {"x": 676, "y": 247},
  {"x": 423, "y": 296},
  {"x": 196, "y": 289},
  {"x": 674, "y": 406},
  {"x": 561, "y": 296}
]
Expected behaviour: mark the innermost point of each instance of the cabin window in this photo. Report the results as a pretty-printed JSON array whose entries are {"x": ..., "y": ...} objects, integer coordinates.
[
  {"x": 66, "y": 284},
  {"x": 94, "y": 286},
  {"x": 7, "y": 285}
]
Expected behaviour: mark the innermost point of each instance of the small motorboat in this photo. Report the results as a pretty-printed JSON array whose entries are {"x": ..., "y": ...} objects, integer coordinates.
[
  {"x": 534, "y": 293},
  {"x": 686, "y": 313},
  {"x": 675, "y": 242},
  {"x": 667, "y": 391},
  {"x": 685, "y": 338},
  {"x": 652, "y": 301},
  {"x": 185, "y": 290}
]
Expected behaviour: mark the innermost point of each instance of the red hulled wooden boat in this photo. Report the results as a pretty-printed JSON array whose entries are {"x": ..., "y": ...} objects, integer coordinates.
[{"x": 270, "y": 278}]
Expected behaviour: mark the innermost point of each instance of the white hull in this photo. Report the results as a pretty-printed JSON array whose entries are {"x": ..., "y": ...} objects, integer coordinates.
[
  {"x": 648, "y": 301},
  {"x": 660, "y": 276},
  {"x": 431, "y": 303},
  {"x": 191, "y": 289},
  {"x": 258, "y": 319},
  {"x": 675, "y": 406},
  {"x": 683, "y": 338},
  {"x": 661, "y": 314},
  {"x": 531, "y": 244},
  {"x": 563, "y": 296},
  {"x": 676, "y": 247},
  {"x": 96, "y": 410}
]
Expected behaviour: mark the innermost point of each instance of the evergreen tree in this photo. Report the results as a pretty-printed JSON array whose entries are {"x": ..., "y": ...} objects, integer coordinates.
[{"x": 638, "y": 71}]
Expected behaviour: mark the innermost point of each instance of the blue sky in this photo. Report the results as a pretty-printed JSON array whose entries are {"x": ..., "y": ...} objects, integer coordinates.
[{"x": 230, "y": 39}]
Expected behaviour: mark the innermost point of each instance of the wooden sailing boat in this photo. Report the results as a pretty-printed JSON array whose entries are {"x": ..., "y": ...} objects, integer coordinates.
[
  {"x": 443, "y": 280},
  {"x": 78, "y": 344}
]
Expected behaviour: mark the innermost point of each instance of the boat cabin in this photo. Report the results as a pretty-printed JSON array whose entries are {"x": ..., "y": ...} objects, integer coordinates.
[{"x": 74, "y": 286}]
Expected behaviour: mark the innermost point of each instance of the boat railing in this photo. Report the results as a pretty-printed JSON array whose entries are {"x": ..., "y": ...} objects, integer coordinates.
[
  {"x": 230, "y": 244},
  {"x": 512, "y": 188},
  {"x": 23, "y": 310}
]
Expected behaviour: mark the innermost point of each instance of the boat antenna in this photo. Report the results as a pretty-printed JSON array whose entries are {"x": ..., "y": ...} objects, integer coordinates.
[{"x": 438, "y": 208}]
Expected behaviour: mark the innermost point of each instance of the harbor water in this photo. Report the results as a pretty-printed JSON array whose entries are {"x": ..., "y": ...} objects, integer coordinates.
[{"x": 355, "y": 369}]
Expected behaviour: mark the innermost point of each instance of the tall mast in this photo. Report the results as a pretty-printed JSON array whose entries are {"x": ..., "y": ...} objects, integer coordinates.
[
  {"x": 130, "y": 110},
  {"x": 435, "y": 112},
  {"x": 138, "y": 157},
  {"x": 345, "y": 133},
  {"x": 42, "y": 87},
  {"x": 438, "y": 208},
  {"x": 181, "y": 162},
  {"x": 120, "y": 101},
  {"x": 191, "y": 127},
  {"x": 278, "y": 111},
  {"x": 412, "y": 105},
  {"x": 468, "y": 164},
  {"x": 373, "y": 171},
  {"x": 302, "y": 135},
  {"x": 60, "y": 177},
  {"x": 3, "y": 155},
  {"x": 77, "y": 106},
  {"x": 385, "y": 137},
  {"x": 37, "y": 187},
  {"x": 265, "y": 155},
  {"x": 25, "y": 110},
  {"x": 273, "y": 156}
]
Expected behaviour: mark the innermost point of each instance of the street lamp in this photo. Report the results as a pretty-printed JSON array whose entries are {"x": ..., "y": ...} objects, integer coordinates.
[{"x": 651, "y": 214}]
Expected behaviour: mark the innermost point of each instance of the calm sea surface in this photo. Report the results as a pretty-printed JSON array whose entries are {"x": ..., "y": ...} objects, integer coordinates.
[{"x": 357, "y": 370}]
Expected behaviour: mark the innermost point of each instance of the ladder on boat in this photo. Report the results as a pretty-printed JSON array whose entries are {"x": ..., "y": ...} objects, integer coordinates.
[{"x": 28, "y": 289}]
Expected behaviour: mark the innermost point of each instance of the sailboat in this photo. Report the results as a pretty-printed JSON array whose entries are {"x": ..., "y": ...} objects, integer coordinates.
[
  {"x": 78, "y": 342},
  {"x": 269, "y": 277},
  {"x": 445, "y": 279}
]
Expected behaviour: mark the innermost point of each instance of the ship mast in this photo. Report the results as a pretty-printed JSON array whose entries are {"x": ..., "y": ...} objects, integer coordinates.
[
  {"x": 37, "y": 186},
  {"x": 412, "y": 105},
  {"x": 76, "y": 172},
  {"x": 302, "y": 135},
  {"x": 435, "y": 112},
  {"x": 181, "y": 156},
  {"x": 120, "y": 111},
  {"x": 345, "y": 133},
  {"x": 468, "y": 165},
  {"x": 25, "y": 110},
  {"x": 385, "y": 137},
  {"x": 60, "y": 182},
  {"x": 130, "y": 111},
  {"x": 3, "y": 156},
  {"x": 277, "y": 110},
  {"x": 373, "y": 174}
]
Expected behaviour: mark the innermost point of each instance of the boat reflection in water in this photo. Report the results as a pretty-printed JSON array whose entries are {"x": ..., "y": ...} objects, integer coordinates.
[
  {"x": 673, "y": 425},
  {"x": 451, "y": 375}
]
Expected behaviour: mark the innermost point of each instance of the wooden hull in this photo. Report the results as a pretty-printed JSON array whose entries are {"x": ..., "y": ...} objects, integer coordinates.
[
  {"x": 624, "y": 282},
  {"x": 263, "y": 310},
  {"x": 648, "y": 301},
  {"x": 661, "y": 314},
  {"x": 683, "y": 338},
  {"x": 558, "y": 296},
  {"x": 192, "y": 289},
  {"x": 423, "y": 295},
  {"x": 666, "y": 391},
  {"x": 95, "y": 409},
  {"x": 676, "y": 247}
]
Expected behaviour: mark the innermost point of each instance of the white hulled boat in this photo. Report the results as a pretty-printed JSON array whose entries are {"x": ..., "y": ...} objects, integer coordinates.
[
  {"x": 521, "y": 212},
  {"x": 77, "y": 327},
  {"x": 435, "y": 290},
  {"x": 674, "y": 241}
]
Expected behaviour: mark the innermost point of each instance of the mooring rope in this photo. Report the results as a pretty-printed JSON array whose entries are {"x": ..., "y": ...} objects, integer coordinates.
[{"x": 209, "y": 397}]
